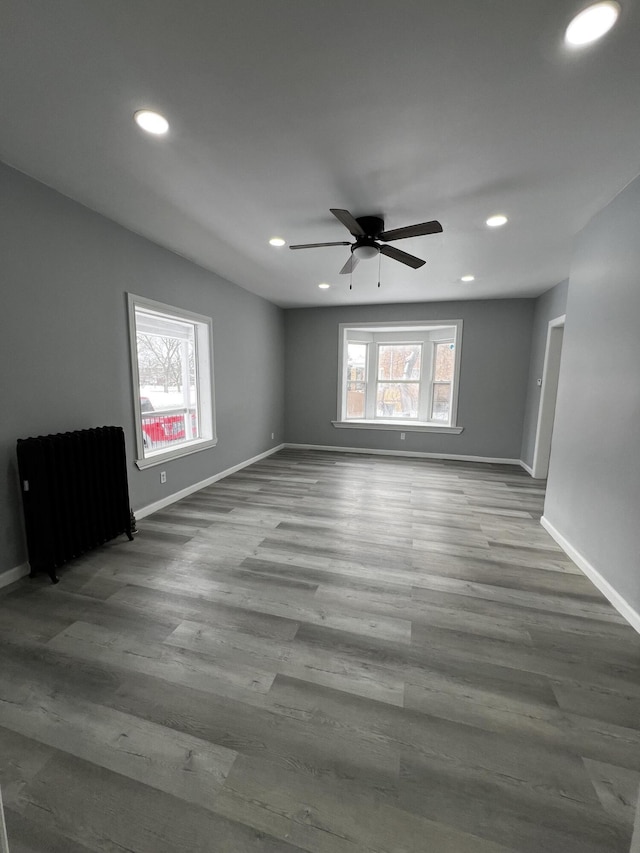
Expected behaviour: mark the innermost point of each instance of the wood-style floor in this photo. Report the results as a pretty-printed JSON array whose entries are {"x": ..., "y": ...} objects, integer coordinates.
[{"x": 323, "y": 652}]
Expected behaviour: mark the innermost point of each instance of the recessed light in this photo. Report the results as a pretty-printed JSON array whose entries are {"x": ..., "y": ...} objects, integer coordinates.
[
  {"x": 497, "y": 221},
  {"x": 151, "y": 122},
  {"x": 468, "y": 278},
  {"x": 276, "y": 241},
  {"x": 324, "y": 286},
  {"x": 592, "y": 23}
]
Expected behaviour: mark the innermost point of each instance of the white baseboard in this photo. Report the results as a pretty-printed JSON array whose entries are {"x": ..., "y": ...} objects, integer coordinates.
[
  {"x": 621, "y": 604},
  {"x": 526, "y": 467},
  {"x": 14, "y": 574},
  {"x": 416, "y": 454},
  {"x": 142, "y": 512}
]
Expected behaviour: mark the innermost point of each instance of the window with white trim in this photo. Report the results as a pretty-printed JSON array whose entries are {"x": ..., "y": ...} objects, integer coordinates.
[
  {"x": 400, "y": 375},
  {"x": 172, "y": 371},
  {"x": 443, "y": 363}
]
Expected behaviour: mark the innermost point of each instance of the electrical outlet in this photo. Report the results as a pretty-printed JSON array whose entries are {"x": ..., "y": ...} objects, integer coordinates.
[
  {"x": 401, "y": 436},
  {"x": 273, "y": 435},
  {"x": 163, "y": 476}
]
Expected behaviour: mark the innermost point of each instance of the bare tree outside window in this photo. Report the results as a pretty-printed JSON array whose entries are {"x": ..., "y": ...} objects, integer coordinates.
[
  {"x": 160, "y": 361},
  {"x": 399, "y": 398}
]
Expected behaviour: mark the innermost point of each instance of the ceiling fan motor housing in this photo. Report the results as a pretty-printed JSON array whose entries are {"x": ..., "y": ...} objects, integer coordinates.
[
  {"x": 366, "y": 247},
  {"x": 371, "y": 225}
]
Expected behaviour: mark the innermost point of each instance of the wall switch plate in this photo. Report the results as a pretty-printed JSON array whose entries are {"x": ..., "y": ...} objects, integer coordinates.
[
  {"x": 273, "y": 435},
  {"x": 539, "y": 381},
  {"x": 402, "y": 436},
  {"x": 163, "y": 476}
]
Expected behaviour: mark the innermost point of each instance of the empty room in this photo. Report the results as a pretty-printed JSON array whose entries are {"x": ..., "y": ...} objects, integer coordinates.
[{"x": 320, "y": 376}]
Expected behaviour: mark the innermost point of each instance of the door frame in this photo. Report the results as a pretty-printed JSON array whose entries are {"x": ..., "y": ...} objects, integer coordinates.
[{"x": 548, "y": 396}]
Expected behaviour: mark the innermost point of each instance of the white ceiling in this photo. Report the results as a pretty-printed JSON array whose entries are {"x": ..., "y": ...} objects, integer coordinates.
[{"x": 281, "y": 109}]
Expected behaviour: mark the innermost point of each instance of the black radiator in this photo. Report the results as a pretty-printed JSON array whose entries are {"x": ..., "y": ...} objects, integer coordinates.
[{"x": 75, "y": 494}]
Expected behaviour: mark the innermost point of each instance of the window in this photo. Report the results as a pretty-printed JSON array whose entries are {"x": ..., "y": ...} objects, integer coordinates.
[
  {"x": 398, "y": 386},
  {"x": 356, "y": 379},
  {"x": 442, "y": 381},
  {"x": 400, "y": 376},
  {"x": 171, "y": 362}
]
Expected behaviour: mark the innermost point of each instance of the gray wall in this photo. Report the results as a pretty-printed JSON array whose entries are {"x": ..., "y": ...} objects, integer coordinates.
[
  {"x": 548, "y": 306},
  {"x": 593, "y": 494},
  {"x": 64, "y": 348},
  {"x": 495, "y": 366}
]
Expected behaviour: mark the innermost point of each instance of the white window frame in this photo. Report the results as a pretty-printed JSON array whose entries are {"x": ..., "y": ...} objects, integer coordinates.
[
  {"x": 403, "y": 332},
  {"x": 435, "y": 381},
  {"x": 367, "y": 371},
  {"x": 146, "y": 458}
]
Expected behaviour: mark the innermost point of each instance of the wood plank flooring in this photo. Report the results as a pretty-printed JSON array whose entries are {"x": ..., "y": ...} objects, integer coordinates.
[{"x": 324, "y": 652}]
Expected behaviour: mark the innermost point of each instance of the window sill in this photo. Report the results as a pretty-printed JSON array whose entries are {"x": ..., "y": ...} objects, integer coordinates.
[
  {"x": 404, "y": 426},
  {"x": 165, "y": 454}
]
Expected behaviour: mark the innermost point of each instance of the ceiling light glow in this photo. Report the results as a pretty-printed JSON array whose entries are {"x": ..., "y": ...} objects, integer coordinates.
[
  {"x": 592, "y": 23},
  {"x": 151, "y": 122},
  {"x": 276, "y": 241},
  {"x": 364, "y": 253},
  {"x": 497, "y": 220},
  {"x": 468, "y": 278},
  {"x": 324, "y": 286}
]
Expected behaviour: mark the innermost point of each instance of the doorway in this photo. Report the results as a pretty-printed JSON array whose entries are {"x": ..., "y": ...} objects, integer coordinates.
[{"x": 547, "y": 410}]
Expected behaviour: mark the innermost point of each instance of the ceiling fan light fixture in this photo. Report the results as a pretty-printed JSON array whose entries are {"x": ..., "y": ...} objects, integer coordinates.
[
  {"x": 368, "y": 230},
  {"x": 364, "y": 253},
  {"x": 592, "y": 23},
  {"x": 152, "y": 122}
]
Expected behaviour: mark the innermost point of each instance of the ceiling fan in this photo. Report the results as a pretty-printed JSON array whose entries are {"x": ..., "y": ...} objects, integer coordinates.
[{"x": 368, "y": 231}]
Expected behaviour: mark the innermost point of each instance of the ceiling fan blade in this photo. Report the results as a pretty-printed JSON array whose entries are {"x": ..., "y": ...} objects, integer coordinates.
[
  {"x": 351, "y": 264},
  {"x": 403, "y": 257},
  {"x": 317, "y": 245},
  {"x": 349, "y": 222},
  {"x": 419, "y": 230}
]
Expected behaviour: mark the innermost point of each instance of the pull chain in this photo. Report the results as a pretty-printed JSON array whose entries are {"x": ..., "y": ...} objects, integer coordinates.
[
  {"x": 379, "y": 261},
  {"x": 351, "y": 275}
]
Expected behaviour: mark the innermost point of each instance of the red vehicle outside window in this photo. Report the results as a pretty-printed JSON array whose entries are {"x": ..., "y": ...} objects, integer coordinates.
[{"x": 161, "y": 429}]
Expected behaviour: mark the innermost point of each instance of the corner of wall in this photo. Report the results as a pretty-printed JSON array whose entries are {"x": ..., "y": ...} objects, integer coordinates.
[
  {"x": 14, "y": 574},
  {"x": 610, "y": 593}
]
